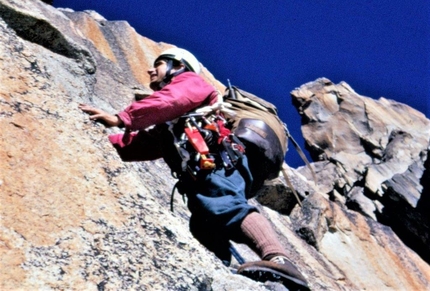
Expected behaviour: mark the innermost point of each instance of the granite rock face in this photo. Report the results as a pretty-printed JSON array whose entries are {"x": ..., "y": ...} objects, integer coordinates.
[{"x": 73, "y": 216}]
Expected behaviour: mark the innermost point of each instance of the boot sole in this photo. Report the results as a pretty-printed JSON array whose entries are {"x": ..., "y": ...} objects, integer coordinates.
[{"x": 263, "y": 274}]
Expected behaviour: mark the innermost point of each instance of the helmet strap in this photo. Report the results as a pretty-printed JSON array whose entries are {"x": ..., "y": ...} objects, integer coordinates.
[{"x": 169, "y": 75}]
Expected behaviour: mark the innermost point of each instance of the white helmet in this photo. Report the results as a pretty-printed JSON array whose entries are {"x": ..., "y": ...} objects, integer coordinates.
[{"x": 183, "y": 56}]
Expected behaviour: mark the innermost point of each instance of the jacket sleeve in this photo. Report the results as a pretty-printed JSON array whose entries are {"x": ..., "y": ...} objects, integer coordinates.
[
  {"x": 186, "y": 92},
  {"x": 140, "y": 146}
]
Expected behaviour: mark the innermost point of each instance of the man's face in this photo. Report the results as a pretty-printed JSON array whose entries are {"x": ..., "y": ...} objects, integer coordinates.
[{"x": 157, "y": 74}]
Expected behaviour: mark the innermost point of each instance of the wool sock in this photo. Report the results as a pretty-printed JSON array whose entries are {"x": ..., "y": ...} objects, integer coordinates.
[{"x": 262, "y": 237}]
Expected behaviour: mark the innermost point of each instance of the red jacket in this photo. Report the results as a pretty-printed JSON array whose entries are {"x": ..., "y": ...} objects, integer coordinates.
[{"x": 185, "y": 93}]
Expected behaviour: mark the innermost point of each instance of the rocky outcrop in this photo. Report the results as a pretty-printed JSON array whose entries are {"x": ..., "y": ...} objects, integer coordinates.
[
  {"x": 376, "y": 153},
  {"x": 75, "y": 217}
]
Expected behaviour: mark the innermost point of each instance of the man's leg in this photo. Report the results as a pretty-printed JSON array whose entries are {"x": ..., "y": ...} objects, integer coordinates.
[
  {"x": 218, "y": 205},
  {"x": 274, "y": 266},
  {"x": 258, "y": 230}
]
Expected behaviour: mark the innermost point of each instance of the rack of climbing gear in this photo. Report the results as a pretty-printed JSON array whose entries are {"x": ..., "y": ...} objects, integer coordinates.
[{"x": 204, "y": 137}]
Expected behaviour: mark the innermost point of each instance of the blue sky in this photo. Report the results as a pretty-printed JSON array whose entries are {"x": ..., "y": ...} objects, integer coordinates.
[{"x": 379, "y": 47}]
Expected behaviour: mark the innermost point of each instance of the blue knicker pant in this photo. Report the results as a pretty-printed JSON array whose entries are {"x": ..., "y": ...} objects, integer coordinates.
[{"x": 218, "y": 204}]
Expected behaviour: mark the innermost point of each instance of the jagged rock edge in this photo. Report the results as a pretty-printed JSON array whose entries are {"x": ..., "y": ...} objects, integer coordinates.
[{"x": 41, "y": 32}]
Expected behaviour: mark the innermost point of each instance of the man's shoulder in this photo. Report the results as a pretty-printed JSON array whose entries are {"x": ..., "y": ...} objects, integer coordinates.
[
  {"x": 187, "y": 76},
  {"x": 191, "y": 80}
]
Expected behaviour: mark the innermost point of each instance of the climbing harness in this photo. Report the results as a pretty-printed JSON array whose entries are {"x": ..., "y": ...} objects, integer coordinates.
[{"x": 204, "y": 144}]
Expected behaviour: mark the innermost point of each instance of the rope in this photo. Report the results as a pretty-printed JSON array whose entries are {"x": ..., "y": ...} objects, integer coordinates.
[
  {"x": 284, "y": 172},
  {"x": 236, "y": 255}
]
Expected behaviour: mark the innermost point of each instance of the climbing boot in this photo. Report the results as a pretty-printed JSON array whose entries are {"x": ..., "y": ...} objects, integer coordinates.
[{"x": 278, "y": 269}]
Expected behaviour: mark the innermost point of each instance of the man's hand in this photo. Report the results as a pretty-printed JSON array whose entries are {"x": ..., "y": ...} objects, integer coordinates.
[{"x": 98, "y": 115}]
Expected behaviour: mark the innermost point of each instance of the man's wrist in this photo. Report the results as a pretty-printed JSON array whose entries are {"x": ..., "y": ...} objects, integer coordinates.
[{"x": 119, "y": 122}]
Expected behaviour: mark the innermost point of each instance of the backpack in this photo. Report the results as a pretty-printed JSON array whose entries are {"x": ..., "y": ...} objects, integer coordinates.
[
  {"x": 256, "y": 123},
  {"x": 265, "y": 136}
]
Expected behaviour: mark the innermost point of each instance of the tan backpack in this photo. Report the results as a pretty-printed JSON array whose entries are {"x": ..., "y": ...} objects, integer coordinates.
[{"x": 257, "y": 124}]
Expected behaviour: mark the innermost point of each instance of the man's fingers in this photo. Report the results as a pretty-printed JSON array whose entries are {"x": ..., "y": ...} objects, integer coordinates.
[
  {"x": 83, "y": 107},
  {"x": 100, "y": 116},
  {"x": 96, "y": 116},
  {"x": 90, "y": 110}
]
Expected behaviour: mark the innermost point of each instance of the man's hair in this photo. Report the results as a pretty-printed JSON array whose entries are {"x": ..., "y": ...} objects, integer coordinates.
[{"x": 175, "y": 63}]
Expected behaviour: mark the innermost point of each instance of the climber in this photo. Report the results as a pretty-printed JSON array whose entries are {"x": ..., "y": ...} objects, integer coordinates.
[{"x": 215, "y": 189}]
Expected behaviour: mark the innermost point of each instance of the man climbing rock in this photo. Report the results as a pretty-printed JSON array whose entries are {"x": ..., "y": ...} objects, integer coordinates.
[{"x": 207, "y": 159}]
